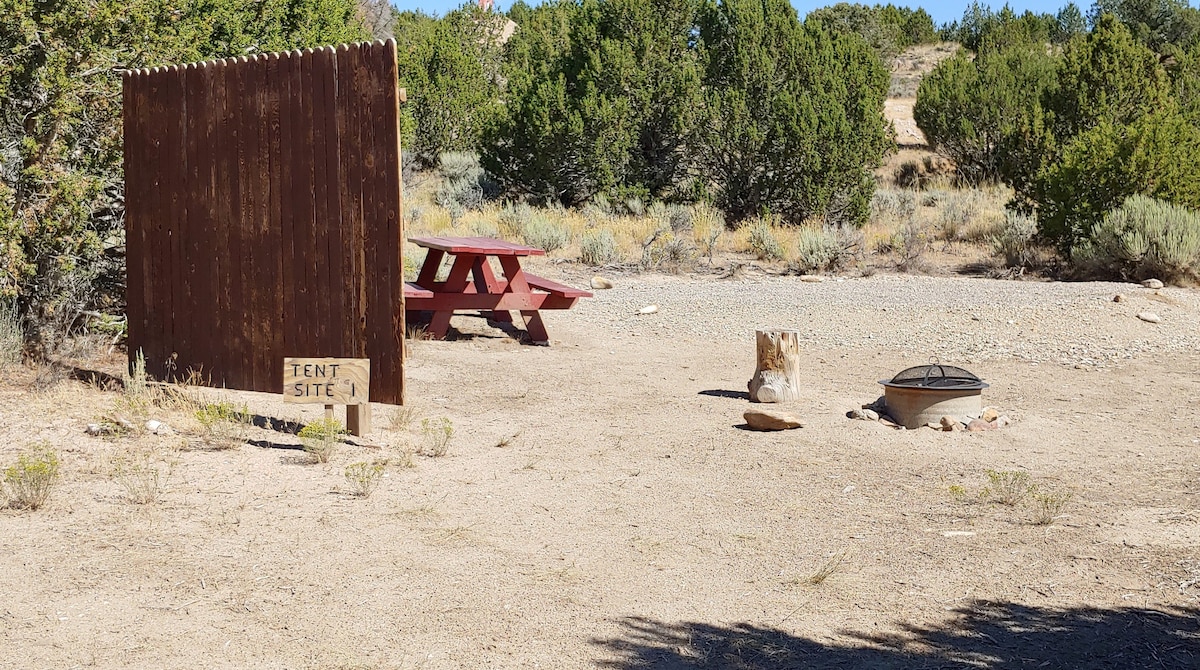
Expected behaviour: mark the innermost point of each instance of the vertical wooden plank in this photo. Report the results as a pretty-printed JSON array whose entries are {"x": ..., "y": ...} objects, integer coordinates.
[
  {"x": 272, "y": 315},
  {"x": 326, "y": 312},
  {"x": 194, "y": 263},
  {"x": 384, "y": 245},
  {"x": 368, "y": 88},
  {"x": 174, "y": 167},
  {"x": 347, "y": 159},
  {"x": 157, "y": 242},
  {"x": 289, "y": 72},
  {"x": 208, "y": 233},
  {"x": 336, "y": 246},
  {"x": 241, "y": 303},
  {"x": 226, "y": 199},
  {"x": 307, "y": 287},
  {"x": 251, "y": 243},
  {"x": 133, "y": 131}
]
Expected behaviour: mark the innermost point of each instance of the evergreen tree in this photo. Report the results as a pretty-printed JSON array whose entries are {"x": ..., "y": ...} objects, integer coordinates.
[
  {"x": 792, "y": 115},
  {"x": 975, "y": 110},
  {"x": 61, "y": 209},
  {"x": 451, "y": 69}
]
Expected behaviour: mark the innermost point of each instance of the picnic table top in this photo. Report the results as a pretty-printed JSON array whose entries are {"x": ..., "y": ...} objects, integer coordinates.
[{"x": 476, "y": 245}]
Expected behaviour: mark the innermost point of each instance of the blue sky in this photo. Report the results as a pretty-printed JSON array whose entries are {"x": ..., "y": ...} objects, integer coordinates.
[{"x": 942, "y": 11}]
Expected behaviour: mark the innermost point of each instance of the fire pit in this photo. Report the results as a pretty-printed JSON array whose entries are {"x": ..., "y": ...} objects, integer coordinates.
[{"x": 925, "y": 393}]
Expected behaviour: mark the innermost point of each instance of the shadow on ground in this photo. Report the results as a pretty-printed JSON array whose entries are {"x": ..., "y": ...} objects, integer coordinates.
[{"x": 984, "y": 635}]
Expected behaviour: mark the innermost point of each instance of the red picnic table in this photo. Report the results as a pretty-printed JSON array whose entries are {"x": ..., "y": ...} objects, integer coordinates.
[{"x": 472, "y": 285}]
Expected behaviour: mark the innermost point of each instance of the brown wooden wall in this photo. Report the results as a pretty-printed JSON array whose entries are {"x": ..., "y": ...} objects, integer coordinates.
[{"x": 263, "y": 216}]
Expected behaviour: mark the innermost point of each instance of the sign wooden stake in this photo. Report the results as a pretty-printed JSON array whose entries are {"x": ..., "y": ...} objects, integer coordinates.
[{"x": 329, "y": 382}]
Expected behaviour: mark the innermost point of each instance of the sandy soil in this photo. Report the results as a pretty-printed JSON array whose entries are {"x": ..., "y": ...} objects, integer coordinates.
[{"x": 600, "y": 505}]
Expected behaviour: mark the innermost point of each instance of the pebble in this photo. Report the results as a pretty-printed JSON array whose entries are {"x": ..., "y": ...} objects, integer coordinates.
[
  {"x": 768, "y": 419},
  {"x": 812, "y": 279},
  {"x": 601, "y": 283},
  {"x": 1152, "y": 283},
  {"x": 1118, "y": 298},
  {"x": 648, "y": 309},
  {"x": 1149, "y": 317},
  {"x": 989, "y": 414},
  {"x": 949, "y": 423},
  {"x": 979, "y": 425}
]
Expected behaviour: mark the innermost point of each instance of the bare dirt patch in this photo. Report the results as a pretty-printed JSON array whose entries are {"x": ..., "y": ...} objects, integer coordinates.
[{"x": 598, "y": 506}]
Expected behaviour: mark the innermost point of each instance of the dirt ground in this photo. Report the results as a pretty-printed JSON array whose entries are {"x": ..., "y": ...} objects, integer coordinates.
[{"x": 601, "y": 505}]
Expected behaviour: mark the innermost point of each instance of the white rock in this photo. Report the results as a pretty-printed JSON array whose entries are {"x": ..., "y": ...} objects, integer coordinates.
[
  {"x": 599, "y": 282},
  {"x": 648, "y": 309},
  {"x": 1149, "y": 317},
  {"x": 158, "y": 427},
  {"x": 1152, "y": 283},
  {"x": 812, "y": 279}
]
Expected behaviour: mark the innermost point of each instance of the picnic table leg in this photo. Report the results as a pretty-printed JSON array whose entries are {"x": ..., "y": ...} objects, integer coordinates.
[
  {"x": 486, "y": 282},
  {"x": 429, "y": 269},
  {"x": 517, "y": 284},
  {"x": 455, "y": 283}
]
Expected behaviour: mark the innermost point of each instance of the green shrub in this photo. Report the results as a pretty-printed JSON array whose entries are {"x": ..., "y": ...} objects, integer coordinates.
[
  {"x": 320, "y": 438},
  {"x": 598, "y": 247},
  {"x": 1143, "y": 238},
  {"x": 27, "y": 484},
  {"x": 539, "y": 231},
  {"x": 1014, "y": 243},
  {"x": 824, "y": 249},
  {"x": 763, "y": 243}
]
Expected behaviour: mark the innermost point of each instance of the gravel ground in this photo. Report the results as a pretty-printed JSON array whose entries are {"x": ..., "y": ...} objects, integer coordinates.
[{"x": 951, "y": 319}]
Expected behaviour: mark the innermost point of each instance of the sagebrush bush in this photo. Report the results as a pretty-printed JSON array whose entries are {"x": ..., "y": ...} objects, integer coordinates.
[
  {"x": 1015, "y": 241},
  {"x": 598, "y": 247},
  {"x": 1143, "y": 238},
  {"x": 763, "y": 243},
  {"x": 465, "y": 186},
  {"x": 27, "y": 483},
  {"x": 824, "y": 249},
  {"x": 898, "y": 205},
  {"x": 539, "y": 231},
  {"x": 956, "y": 215}
]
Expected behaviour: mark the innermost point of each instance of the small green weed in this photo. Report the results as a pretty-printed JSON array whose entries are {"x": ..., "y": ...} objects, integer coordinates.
[
  {"x": 224, "y": 425},
  {"x": 831, "y": 565},
  {"x": 1008, "y": 487},
  {"x": 27, "y": 484},
  {"x": 1050, "y": 505},
  {"x": 141, "y": 476},
  {"x": 437, "y": 436},
  {"x": 320, "y": 438},
  {"x": 363, "y": 478}
]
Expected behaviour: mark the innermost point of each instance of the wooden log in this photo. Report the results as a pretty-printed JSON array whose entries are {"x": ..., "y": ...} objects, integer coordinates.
[{"x": 777, "y": 372}]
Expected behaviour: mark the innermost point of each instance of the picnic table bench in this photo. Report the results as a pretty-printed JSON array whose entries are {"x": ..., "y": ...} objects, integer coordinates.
[{"x": 473, "y": 285}]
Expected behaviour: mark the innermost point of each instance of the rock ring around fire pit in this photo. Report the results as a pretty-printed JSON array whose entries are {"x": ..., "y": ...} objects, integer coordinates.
[{"x": 924, "y": 394}]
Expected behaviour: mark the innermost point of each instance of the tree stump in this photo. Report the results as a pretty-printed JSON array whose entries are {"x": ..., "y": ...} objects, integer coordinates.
[{"x": 777, "y": 375}]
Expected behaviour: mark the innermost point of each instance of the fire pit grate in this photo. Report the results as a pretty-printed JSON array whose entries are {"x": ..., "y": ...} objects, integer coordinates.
[{"x": 936, "y": 376}]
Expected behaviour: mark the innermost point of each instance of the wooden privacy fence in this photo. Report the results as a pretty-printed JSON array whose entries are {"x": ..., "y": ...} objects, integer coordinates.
[{"x": 263, "y": 216}]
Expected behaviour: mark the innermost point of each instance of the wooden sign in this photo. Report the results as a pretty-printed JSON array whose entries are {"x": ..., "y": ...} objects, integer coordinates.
[{"x": 326, "y": 381}]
